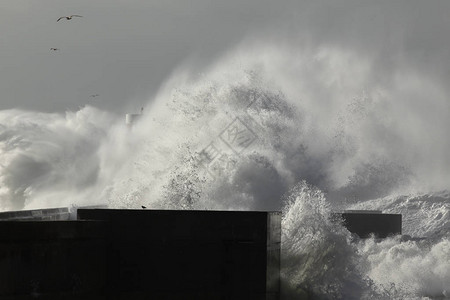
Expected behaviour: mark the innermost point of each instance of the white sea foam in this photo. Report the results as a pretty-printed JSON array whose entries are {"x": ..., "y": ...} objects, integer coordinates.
[{"x": 320, "y": 258}]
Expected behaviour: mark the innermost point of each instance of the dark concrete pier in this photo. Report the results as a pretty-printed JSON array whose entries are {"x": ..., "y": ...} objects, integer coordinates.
[
  {"x": 143, "y": 254},
  {"x": 372, "y": 223},
  {"x": 151, "y": 254}
]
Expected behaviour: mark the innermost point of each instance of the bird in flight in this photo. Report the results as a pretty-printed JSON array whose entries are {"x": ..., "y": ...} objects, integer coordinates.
[
  {"x": 54, "y": 49},
  {"x": 68, "y": 17},
  {"x": 95, "y": 95}
]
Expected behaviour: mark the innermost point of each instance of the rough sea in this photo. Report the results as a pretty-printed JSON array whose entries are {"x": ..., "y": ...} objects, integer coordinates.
[{"x": 305, "y": 131}]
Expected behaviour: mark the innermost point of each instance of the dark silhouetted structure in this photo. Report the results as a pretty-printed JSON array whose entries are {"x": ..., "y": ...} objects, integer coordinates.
[
  {"x": 143, "y": 254},
  {"x": 367, "y": 223},
  {"x": 52, "y": 260}
]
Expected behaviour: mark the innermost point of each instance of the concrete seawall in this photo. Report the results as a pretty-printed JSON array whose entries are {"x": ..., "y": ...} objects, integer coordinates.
[{"x": 143, "y": 254}]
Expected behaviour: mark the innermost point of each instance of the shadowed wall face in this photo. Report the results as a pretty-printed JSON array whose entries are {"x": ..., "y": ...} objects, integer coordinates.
[
  {"x": 136, "y": 254},
  {"x": 197, "y": 254},
  {"x": 379, "y": 225},
  {"x": 55, "y": 258}
]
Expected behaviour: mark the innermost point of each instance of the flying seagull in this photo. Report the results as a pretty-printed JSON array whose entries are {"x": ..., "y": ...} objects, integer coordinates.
[
  {"x": 68, "y": 17},
  {"x": 95, "y": 95},
  {"x": 54, "y": 49}
]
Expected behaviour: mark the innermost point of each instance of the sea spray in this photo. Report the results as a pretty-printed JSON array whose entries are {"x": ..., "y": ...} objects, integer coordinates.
[
  {"x": 318, "y": 258},
  {"x": 49, "y": 160},
  {"x": 415, "y": 265},
  {"x": 322, "y": 260},
  {"x": 408, "y": 269},
  {"x": 223, "y": 140},
  {"x": 423, "y": 214},
  {"x": 314, "y": 115}
]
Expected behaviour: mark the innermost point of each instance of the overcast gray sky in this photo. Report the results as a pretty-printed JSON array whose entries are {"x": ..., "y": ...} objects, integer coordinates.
[{"x": 123, "y": 50}]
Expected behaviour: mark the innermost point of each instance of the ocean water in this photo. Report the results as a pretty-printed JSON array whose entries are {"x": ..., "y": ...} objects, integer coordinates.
[{"x": 304, "y": 131}]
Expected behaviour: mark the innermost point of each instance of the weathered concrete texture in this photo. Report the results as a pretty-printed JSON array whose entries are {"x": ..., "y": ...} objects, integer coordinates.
[
  {"x": 142, "y": 254},
  {"x": 366, "y": 224},
  {"x": 191, "y": 254},
  {"x": 49, "y": 214}
]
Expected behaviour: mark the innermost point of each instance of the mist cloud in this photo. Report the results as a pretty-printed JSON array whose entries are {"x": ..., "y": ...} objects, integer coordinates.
[{"x": 125, "y": 50}]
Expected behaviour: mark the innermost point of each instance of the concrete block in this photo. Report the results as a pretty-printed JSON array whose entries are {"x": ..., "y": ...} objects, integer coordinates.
[{"x": 380, "y": 225}]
